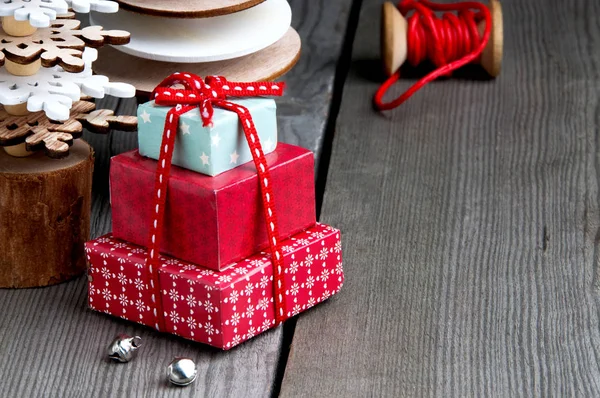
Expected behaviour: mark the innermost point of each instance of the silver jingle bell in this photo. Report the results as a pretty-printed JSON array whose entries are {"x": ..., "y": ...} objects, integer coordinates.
[
  {"x": 182, "y": 371},
  {"x": 123, "y": 347}
]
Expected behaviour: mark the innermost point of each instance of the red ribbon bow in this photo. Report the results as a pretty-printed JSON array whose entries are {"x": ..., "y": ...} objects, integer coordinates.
[{"x": 208, "y": 94}]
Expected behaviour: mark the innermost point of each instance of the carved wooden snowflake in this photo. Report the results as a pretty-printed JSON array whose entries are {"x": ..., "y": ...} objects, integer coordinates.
[
  {"x": 60, "y": 44},
  {"x": 38, "y": 132},
  {"x": 53, "y": 90},
  {"x": 41, "y": 12}
]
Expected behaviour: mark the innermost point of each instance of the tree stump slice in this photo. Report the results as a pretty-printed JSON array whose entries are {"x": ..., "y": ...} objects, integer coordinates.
[{"x": 44, "y": 217}]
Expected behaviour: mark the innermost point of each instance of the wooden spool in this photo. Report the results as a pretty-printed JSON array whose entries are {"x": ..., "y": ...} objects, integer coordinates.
[
  {"x": 267, "y": 64},
  {"x": 186, "y": 8},
  {"x": 394, "y": 39},
  {"x": 44, "y": 217}
]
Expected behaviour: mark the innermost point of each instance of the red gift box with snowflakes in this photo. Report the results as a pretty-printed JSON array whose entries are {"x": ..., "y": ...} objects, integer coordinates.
[
  {"x": 223, "y": 308},
  {"x": 213, "y": 222}
]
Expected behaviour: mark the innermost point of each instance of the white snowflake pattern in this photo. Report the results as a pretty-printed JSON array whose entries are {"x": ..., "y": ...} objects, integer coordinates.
[
  {"x": 224, "y": 278},
  {"x": 294, "y": 267},
  {"x": 104, "y": 255},
  {"x": 174, "y": 316},
  {"x": 210, "y": 329},
  {"x": 317, "y": 235},
  {"x": 53, "y": 90},
  {"x": 296, "y": 310},
  {"x": 249, "y": 289},
  {"x": 106, "y": 294},
  {"x": 339, "y": 269},
  {"x": 123, "y": 299},
  {"x": 326, "y": 295},
  {"x": 120, "y": 245},
  {"x": 234, "y": 296},
  {"x": 172, "y": 261},
  {"x": 191, "y": 301},
  {"x": 104, "y": 240},
  {"x": 174, "y": 295},
  {"x": 140, "y": 306},
  {"x": 236, "y": 340},
  {"x": 311, "y": 302},
  {"x": 241, "y": 271},
  {"x": 264, "y": 282},
  {"x": 139, "y": 265},
  {"x": 250, "y": 311},
  {"x": 138, "y": 250},
  {"x": 121, "y": 260},
  {"x": 295, "y": 289},
  {"x": 266, "y": 325},
  {"x": 208, "y": 307},
  {"x": 263, "y": 304},
  {"x": 257, "y": 263},
  {"x": 191, "y": 322},
  {"x": 338, "y": 247},
  {"x": 105, "y": 273},
  {"x": 302, "y": 242},
  {"x": 287, "y": 249},
  {"x": 325, "y": 275},
  {"x": 206, "y": 272},
  {"x": 323, "y": 254},
  {"x": 309, "y": 260},
  {"x": 310, "y": 281},
  {"x": 251, "y": 332},
  {"x": 122, "y": 278},
  {"x": 235, "y": 319},
  {"x": 139, "y": 284},
  {"x": 40, "y": 13}
]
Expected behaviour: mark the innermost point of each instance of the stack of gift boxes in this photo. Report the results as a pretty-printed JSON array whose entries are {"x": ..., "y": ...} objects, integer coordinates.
[{"x": 215, "y": 273}]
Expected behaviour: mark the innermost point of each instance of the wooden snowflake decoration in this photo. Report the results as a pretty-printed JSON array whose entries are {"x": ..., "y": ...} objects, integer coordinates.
[
  {"x": 40, "y": 13},
  {"x": 53, "y": 90},
  {"x": 38, "y": 132},
  {"x": 61, "y": 44}
]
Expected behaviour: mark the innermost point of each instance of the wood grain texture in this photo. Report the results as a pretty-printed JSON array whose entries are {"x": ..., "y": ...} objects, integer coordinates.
[
  {"x": 54, "y": 326},
  {"x": 188, "y": 8},
  {"x": 268, "y": 64},
  {"x": 470, "y": 224}
]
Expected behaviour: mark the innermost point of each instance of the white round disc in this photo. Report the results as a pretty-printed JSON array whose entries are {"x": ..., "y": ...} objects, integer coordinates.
[{"x": 200, "y": 40}]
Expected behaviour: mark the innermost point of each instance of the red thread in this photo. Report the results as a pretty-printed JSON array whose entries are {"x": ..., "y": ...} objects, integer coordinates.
[
  {"x": 450, "y": 42},
  {"x": 206, "y": 94}
]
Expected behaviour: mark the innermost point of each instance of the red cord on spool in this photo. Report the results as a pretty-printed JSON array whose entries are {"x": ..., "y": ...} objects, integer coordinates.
[{"x": 451, "y": 41}]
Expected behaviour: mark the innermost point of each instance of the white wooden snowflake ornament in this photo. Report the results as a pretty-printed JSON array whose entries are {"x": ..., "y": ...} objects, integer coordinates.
[
  {"x": 41, "y": 13},
  {"x": 53, "y": 90}
]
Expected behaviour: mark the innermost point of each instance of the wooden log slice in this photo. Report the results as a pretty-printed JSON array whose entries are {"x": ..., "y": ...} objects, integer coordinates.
[
  {"x": 187, "y": 8},
  {"x": 44, "y": 217},
  {"x": 264, "y": 65}
]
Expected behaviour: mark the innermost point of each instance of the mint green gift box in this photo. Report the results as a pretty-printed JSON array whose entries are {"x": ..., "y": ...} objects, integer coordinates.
[{"x": 208, "y": 150}]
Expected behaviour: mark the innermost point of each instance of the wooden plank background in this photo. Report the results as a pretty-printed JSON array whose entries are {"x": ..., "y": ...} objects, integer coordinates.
[
  {"x": 470, "y": 225},
  {"x": 52, "y": 345}
]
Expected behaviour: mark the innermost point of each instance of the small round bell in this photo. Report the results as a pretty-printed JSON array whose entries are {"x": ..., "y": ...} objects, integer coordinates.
[
  {"x": 182, "y": 371},
  {"x": 123, "y": 347}
]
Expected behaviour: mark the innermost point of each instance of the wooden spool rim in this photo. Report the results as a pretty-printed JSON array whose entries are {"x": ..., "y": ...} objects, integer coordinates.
[
  {"x": 394, "y": 39},
  {"x": 186, "y": 9},
  {"x": 265, "y": 65},
  {"x": 193, "y": 40}
]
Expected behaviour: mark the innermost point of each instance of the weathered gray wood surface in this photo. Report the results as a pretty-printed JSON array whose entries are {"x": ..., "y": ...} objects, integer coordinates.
[
  {"x": 470, "y": 225},
  {"x": 51, "y": 345}
]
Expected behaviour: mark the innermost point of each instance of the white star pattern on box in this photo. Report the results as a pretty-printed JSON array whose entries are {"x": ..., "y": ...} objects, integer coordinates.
[
  {"x": 53, "y": 90},
  {"x": 41, "y": 12},
  {"x": 146, "y": 117},
  {"x": 215, "y": 139},
  {"x": 184, "y": 128},
  {"x": 233, "y": 157},
  {"x": 205, "y": 158}
]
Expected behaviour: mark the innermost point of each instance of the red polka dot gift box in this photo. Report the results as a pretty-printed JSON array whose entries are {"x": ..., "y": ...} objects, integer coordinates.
[
  {"x": 221, "y": 309},
  {"x": 213, "y": 221}
]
